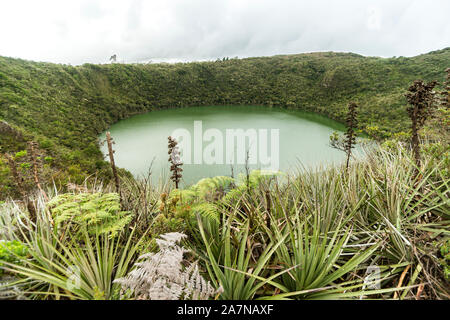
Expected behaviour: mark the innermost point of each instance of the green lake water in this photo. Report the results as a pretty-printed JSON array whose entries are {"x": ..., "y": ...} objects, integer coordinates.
[{"x": 303, "y": 140}]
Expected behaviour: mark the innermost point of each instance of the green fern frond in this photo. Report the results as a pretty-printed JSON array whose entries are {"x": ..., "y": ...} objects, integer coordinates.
[
  {"x": 234, "y": 194},
  {"x": 207, "y": 210},
  {"x": 187, "y": 195},
  {"x": 208, "y": 186},
  {"x": 99, "y": 213}
]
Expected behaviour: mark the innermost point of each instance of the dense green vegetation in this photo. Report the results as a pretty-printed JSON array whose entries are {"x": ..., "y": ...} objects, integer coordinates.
[
  {"x": 297, "y": 235},
  {"x": 65, "y": 107},
  {"x": 311, "y": 235}
]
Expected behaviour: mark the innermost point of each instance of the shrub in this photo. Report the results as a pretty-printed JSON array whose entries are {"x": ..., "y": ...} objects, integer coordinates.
[
  {"x": 445, "y": 261},
  {"x": 11, "y": 251}
]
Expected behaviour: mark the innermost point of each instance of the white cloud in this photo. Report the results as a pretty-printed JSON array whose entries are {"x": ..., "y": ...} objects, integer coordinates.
[{"x": 137, "y": 30}]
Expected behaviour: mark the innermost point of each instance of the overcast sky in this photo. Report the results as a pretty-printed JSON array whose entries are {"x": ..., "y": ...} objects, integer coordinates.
[{"x": 79, "y": 31}]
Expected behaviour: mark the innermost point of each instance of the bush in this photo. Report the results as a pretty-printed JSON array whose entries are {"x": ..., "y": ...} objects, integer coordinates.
[{"x": 11, "y": 251}]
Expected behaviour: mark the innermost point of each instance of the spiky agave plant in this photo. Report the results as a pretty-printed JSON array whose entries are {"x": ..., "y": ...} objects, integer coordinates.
[
  {"x": 58, "y": 267},
  {"x": 231, "y": 261}
]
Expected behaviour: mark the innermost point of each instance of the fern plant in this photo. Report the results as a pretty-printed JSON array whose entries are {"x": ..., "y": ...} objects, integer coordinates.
[
  {"x": 209, "y": 189},
  {"x": 207, "y": 210},
  {"x": 161, "y": 275},
  {"x": 97, "y": 213},
  {"x": 208, "y": 195},
  {"x": 202, "y": 197}
]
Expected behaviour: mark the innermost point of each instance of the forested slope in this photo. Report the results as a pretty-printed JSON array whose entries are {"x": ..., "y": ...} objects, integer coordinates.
[{"x": 65, "y": 107}]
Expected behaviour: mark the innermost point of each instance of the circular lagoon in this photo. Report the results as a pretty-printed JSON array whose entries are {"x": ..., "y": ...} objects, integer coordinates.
[{"x": 220, "y": 140}]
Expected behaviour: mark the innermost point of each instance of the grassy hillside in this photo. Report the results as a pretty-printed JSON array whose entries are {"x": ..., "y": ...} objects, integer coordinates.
[{"x": 64, "y": 107}]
